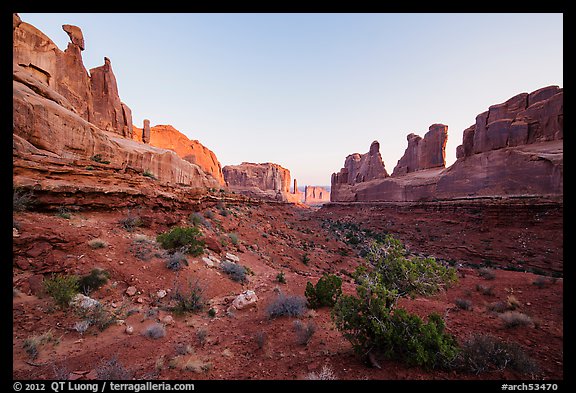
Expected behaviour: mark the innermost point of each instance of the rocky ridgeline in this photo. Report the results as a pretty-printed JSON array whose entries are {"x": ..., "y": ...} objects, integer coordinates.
[{"x": 514, "y": 149}]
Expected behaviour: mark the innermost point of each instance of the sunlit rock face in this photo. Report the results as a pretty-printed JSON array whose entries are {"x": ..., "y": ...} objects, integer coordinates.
[{"x": 168, "y": 137}]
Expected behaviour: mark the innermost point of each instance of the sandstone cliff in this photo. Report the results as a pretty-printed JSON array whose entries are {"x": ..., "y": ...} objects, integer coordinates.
[
  {"x": 61, "y": 118},
  {"x": 514, "y": 149},
  {"x": 168, "y": 137}
]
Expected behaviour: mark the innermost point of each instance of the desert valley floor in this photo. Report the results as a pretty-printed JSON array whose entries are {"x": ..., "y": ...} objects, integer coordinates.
[{"x": 268, "y": 238}]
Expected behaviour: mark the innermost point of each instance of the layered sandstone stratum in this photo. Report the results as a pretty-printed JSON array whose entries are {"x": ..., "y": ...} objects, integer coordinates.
[
  {"x": 68, "y": 121},
  {"x": 514, "y": 149}
]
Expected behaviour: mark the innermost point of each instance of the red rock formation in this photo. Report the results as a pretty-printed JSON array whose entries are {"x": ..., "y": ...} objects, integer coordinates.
[
  {"x": 168, "y": 137},
  {"x": 264, "y": 180},
  {"x": 51, "y": 123},
  {"x": 523, "y": 119},
  {"x": 266, "y": 177},
  {"x": 108, "y": 112},
  {"x": 359, "y": 168},
  {"x": 93, "y": 96},
  {"x": 426, "y": 153},
  {"x": 315, "y": 195},
  {"x": 63, "y": 72},
  {"x": 146, "y": 131},
  {"x": 514, "y": 149}
]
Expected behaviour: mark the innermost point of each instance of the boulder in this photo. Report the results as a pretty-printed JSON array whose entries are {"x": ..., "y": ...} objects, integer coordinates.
[
  {"x": 131, "y": 291},
  {"x": 83, "y": 301},
  {"x": 245, "y": 300},
  {"x": 232, "y": 258}
]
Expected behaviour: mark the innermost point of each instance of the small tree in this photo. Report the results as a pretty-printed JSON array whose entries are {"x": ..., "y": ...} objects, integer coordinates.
[
  {"x": 62, "y": 289},
  {"x": 373, "y": 324},
  {"x": 186, "y": 239},
  {"x": 325, "y": 293}
]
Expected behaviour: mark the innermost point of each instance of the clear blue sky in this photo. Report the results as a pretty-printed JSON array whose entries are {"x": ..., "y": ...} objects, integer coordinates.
[{"x": 306, "y": 90}]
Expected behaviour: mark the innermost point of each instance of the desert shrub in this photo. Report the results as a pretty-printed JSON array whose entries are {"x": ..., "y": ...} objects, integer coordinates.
[
  {"x": 31, "y": 344},
  {"x": 188, "y": 301},
  {"x": 325, "y": 374},
  {"x": 235, "y": 271},
  {"x": 486, "y": 273},
  {"x": 62, "y": 288},
  {"x": 512, "y": 302},
  {"x": 233, "y": 238},
  {"x": 389, "y": 263},
  {"x": 196, "y": 219},
  {"x": 281, "y": 278},
  {"x": 212, "y": 312},
  {"x": 209, "y": 214},
  {"x": 113, "y": 370},
  {"x": 176, "y": 261},
  {"x": 97, "y": 243},
  {"x": 374, "y": 326},
  {"x": 498, "y": 306},
  {"x": 143, "y": 248},
  {"x": 186, "y": 239},
  {"x": 22, "y": 199},
  {"x": 201, "y": 336},
  {"x": 98, "y": 158},
  {"x": 304, "y": 332},
  {"x": 293, "y": 306},
  {"x": 63, "y": 212},
  {"x": 96, "y": 279},
  {"x": 484, "y": 290},
  {"x": 149, "y": 174},
  {"x": 130, "y": 222},
  {"x": 305, "y": 259},
  {"x": 325, "y": 293},
  {"x": 464, "y": 304},
  {"x": 82, "y": 326},
  {"x": 155, "y": 331},
  {"x": 539, "y": 281},
  {"x": 260, "y": 338},
  {"x": 484, "y": 353},
  {"x": 514, "y": 318},
  {"x": 98, "y": 316}
]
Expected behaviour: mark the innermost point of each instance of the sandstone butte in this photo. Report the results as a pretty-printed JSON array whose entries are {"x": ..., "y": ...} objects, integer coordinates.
[
  {"x": 316, "y": 195},
  {"x": 514, "y": 149},
  {"x": 66, "y": 119}
]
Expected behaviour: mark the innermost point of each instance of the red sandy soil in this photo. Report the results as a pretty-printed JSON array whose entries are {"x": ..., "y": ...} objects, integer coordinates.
[{"x": 271, "y": 238}]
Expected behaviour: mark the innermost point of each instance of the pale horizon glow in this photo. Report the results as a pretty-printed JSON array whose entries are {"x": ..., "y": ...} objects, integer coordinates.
[{"x": 306, "y": 90}]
